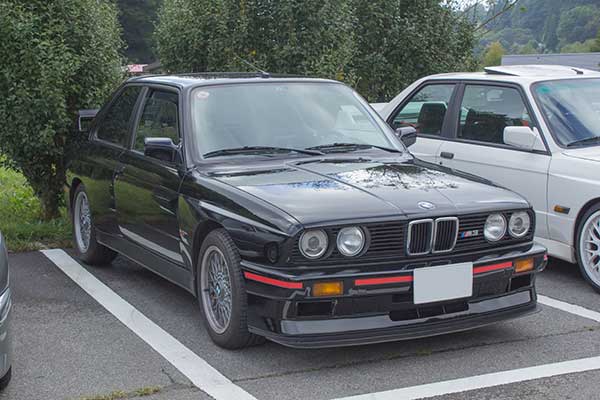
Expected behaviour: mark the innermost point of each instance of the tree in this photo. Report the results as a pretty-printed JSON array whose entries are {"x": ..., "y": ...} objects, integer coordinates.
[
  {"x": 595, "y": 46},
  {"x": 137, "y": 18},
  {"x": 493, "y": 54},
  {"x": 379, "y": 46},
  {"x": 312, "y": 37},
  {"x": 399, "y": 42},
  {"x": 578, "y": 24},
  {"x": 57, "y": 57}
]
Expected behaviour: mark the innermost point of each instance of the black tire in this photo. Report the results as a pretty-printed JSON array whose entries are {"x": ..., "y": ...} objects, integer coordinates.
[
  {"x": 236, "y": 334},
  {"x": 95, "y": 253},
  {"x": 5, "y": 380},
  {"x": 591, "y": 213}
]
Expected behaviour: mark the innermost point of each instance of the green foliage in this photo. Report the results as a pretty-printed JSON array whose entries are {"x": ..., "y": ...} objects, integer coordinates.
[
  {"x": 399, "y": 42},
  {"x": 20, "y": 216},
  {"x": 578, "y": 24},
  {"x": 294, "y": 37},
  {"x": 138, "y": 18},
  {"x": 379, "y": 46},
  {"x": 578, "y": 47},
  {"x": 553, "y": 25},
  {"x": 493, "y": 55},
  {"x": 57, "y": 57}
]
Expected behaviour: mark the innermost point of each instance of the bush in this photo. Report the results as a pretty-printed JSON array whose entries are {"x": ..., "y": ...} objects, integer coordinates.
[
  {"x": 57, "y": 57},
  {"x": 312, "y": 37},
  {"x": 379, "y": 46},
  {"x": 401, "y": 41}
]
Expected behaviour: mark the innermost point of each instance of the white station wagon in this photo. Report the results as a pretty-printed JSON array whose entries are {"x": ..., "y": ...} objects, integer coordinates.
[{"x": 534, "y": 129}]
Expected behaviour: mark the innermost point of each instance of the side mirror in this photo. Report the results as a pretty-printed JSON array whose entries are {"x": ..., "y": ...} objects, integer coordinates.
[
  {"x": 407, "y": 134},
  {"x": 84, "y": 119},
  {"x": 522, "y": 137},
  {"x": 161, "y": 148}
]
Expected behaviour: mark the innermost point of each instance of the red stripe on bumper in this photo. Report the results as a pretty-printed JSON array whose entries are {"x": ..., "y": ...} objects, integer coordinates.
[
  {"x": 383, "y": 281},
  {"x": 272, "y": 282},
  {"x": 493, "y": 267}
]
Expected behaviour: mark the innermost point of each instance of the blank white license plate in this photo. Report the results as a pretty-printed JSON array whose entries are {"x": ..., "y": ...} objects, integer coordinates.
[{"x": 445, "y": 282}]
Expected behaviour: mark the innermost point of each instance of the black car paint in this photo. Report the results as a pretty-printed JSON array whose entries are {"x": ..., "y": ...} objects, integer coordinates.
[{"x": 157, "y": 213}]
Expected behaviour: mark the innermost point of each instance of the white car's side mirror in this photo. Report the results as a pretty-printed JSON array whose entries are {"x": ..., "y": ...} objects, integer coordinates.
[{"x": 523, "y": 137}]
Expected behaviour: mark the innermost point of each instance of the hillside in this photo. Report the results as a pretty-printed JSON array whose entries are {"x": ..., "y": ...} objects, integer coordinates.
[{"x": 544, "y": 26}]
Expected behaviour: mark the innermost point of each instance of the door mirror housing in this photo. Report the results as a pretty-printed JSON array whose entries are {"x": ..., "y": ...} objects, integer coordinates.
[
  {"x": 161, "y": 148},
  {"x": 85, "y": 118},
  {"x": 523, "y": 137},
  {"x": 407, "y": 135}
]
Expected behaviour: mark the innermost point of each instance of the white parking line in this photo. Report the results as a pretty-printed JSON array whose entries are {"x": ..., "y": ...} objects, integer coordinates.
[
  {"x": 483, "y": 381},
  {"x": 196, "y": 369},
  {"x": 497, "y": 378},
  {"x": 570, "y": 308}
]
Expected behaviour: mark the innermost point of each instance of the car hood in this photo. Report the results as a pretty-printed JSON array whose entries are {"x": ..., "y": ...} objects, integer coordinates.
[
  {"x": 585, "y": 153},
  {"x": 329, "y": 190}
]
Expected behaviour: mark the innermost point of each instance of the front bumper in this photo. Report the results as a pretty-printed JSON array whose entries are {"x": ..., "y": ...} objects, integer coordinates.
[{"x": 377, "y": 306}]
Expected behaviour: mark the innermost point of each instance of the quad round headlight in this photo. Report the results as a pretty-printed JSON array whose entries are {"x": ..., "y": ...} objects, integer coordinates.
[
  {"x": 519, "y": 224},
  {"x": 350, "y": 241},
  {"x": 313, "y": 244},
  {"x": 495, "y": 227}
]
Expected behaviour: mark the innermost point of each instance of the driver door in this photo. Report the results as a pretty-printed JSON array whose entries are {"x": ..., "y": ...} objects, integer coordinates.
[{"x": 147, "y": 187}]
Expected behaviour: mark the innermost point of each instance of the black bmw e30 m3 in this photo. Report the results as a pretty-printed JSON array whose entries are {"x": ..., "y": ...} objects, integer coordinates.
[{"x": 294, "y": 213}]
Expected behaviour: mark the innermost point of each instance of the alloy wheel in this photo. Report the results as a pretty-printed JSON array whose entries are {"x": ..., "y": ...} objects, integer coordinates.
[
  {"x": 215, "y": 285},
  {"x": 82, "y": 219},
  {"x": 589, "y": 245}
]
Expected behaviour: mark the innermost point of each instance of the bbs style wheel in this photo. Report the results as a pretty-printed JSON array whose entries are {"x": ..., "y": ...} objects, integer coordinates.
[
  {"x": 84, "y": 234},
  {"x": 222, "y": 293},
  {"x": 588, "y": 246}
]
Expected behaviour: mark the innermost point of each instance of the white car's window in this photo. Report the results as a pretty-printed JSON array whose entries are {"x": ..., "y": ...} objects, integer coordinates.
[
  {"x": 572, "y": 110},
  {"x": 426, "y": 109},
  {"x": 487, "y": 110}
]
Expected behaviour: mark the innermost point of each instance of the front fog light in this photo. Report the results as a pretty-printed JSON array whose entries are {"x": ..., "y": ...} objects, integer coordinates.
[
  {"x": 495, "y": 227},
  {"x": 519, "y": 224},
  {"x": 351, "y": 241},
  {"x": 313, "y": 244}
]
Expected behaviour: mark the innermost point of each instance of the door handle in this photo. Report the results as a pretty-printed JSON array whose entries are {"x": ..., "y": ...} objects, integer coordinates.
[{"x": 445, "y": 154}]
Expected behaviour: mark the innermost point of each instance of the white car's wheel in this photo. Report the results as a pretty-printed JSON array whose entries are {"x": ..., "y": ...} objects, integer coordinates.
[{"x": 588, "y": 246}]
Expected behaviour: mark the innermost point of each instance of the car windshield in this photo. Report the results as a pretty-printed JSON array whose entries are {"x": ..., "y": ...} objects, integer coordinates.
[
  {"x": 276, "y": 117},
  {"x": 572, "y": 110}
]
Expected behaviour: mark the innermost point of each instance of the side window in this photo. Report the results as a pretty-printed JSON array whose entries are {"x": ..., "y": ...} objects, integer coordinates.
[
  {"x": 114, "y": 127},
  {"x": 487, "y": 110},
  {"x": 426, "y": 109},
  {"x": 160, "y": 118}
]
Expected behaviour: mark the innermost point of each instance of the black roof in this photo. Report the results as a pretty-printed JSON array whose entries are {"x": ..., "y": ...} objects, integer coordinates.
[{"x": 197, "y": 79}]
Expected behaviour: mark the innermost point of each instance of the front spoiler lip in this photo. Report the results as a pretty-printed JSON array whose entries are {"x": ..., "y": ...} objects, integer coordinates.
[{"x": 402, "y": 332}]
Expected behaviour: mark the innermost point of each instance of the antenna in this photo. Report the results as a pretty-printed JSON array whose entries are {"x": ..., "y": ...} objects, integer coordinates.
[{"x": 263, "y": 74}]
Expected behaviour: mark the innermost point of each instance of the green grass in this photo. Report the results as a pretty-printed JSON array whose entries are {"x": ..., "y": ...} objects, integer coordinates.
[{"x": 20, "y": 221}]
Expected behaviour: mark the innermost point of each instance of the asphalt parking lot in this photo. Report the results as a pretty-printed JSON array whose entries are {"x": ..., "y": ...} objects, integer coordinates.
[{"x": 70, "y": 343}]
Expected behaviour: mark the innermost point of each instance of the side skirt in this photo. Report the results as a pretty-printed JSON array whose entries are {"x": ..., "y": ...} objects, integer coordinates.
[{"x": 147, "y": 259}]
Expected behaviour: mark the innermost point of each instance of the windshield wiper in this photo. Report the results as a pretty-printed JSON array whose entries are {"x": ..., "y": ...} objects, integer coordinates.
[
  {"x": 343, "y": 147},
  {"x": 590, "y": 140},
  {"x": 259, "y": 149}
]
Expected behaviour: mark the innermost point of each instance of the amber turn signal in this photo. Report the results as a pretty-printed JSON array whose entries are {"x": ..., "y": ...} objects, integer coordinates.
[
  {"x": 328, "y": 288},
  {"x": 524, "y": 265}
]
